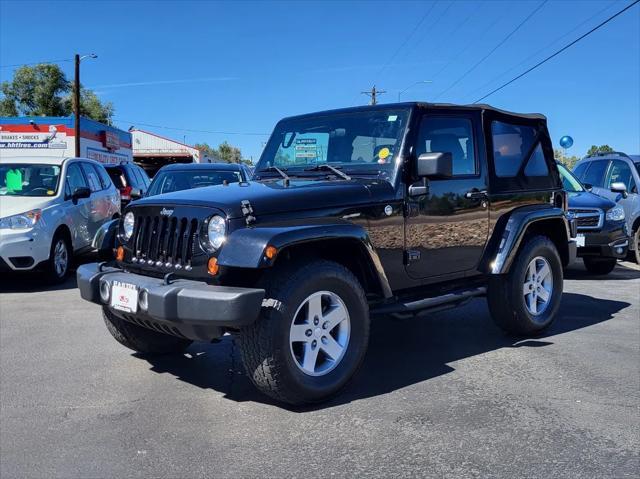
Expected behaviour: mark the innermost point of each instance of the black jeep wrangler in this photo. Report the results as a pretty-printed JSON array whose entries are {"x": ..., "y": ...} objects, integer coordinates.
[{"x": 392, "y": 209}]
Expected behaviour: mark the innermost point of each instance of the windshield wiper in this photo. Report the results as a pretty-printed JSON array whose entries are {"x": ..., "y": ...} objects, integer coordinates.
[
  {"x": 333, "y": 169},
  {"x": 285, "y": 177}
]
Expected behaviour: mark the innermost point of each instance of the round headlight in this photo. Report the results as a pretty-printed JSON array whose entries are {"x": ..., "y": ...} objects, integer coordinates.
[
  {"x": 216, "y": 230},
  {"x": 127, "y": 225}
]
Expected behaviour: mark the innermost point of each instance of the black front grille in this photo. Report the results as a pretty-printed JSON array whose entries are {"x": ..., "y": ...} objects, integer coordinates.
[
  {"x": 588, "y": 218},
  {"x": 169, "y": 241},
  {"x": 588, "y": 221}
]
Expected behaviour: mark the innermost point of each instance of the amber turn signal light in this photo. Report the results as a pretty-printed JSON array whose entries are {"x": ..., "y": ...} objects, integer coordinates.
[
  {"x": 270, "y": 252},
  {"x": 120, "y": 253},
  {"x": 212, "y": 266}
]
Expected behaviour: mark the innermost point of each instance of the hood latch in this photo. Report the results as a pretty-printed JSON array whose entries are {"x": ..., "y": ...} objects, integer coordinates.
[{"x": 247, "y": 212}]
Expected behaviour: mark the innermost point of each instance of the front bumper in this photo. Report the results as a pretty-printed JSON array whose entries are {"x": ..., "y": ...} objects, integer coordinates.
[
  {"x": 24, "y": 250},
  {"x": 185, "y": 308},
  {"x": 609, "y": 242}
]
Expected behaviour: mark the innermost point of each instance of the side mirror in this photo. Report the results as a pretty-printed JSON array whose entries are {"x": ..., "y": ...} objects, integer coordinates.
[
  {"x": 619, "y": 187},
  {"x": 136, "y": 193},
  {"x": 79, "y": 193},
  {"x": 587, "y": 186},
  {"x": 435, "y": 165}
]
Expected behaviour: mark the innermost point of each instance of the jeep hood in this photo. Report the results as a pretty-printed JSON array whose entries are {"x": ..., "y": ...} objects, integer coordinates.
[{"x": 268, "y": 197}]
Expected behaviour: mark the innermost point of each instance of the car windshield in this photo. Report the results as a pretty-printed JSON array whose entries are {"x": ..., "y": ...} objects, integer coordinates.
[
  {"x": 570, "y": 183},
  {"x": 168, "y": 181},
  {"x": 365, "y": 142},
  {"x": 21, "y": 179}
]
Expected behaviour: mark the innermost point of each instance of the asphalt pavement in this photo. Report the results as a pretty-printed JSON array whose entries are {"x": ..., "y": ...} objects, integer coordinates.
[{"x": 448, "y": 395}]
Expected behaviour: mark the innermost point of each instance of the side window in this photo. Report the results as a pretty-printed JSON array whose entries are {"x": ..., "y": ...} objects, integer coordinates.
[
  {"x": 511, "y": 144},
  {"x": 449, "y": 135},
  {"x": 537, "y": 165},
  {"x": 620, "y": 172},
  {"x": 595, "y": 173},
  {"x": 144, "y": 178},
  {"x": 75, "y": 178},
  {"x": 580, "y": 169},
  {"x": 92, "y": 177},
  {"x": 104, "y": 177}
]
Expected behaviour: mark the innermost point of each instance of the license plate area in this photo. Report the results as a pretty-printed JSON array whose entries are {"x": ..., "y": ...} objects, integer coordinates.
[
  {"x": 580, "y": 240},
  {"x": 124, "y": 297}
]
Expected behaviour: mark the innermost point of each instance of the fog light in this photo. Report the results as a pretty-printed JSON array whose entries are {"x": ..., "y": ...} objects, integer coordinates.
[
  {"x": 619, "y": 250},
  {"x": 105, "y": 290},
  {"x": 212, "y": 266},
  {"x": 143, "y": 299}
]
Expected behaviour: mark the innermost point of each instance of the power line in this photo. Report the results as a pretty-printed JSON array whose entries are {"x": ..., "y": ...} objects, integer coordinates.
[
  {"x": 131, "y": 122},
  {"x": 542, "y": 62},
  {"x": 406, "y": 40},
  {"x": 37, "y": 63},
  {"x": 533, "y": 55},
  {"x": 502, "y": 42}
]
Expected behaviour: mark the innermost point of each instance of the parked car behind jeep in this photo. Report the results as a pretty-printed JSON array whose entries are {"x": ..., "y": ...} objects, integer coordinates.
[
  {"x": 186, "y": 176},
  {"x": 50, "y": 209},
  {"x": 615, "y": 176},
  {"x": 602, "y": 231},
  {"x": 396, "y": 209}
]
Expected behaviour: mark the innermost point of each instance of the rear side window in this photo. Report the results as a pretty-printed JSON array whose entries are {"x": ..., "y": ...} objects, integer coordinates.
[
  {"x": 143, "y": 176},
  {"x": 512, "y": 147},
  {"x": 92, "y": 177},
  {"x": 595, "y": 173},
  {"x": 104, "y": 177}
]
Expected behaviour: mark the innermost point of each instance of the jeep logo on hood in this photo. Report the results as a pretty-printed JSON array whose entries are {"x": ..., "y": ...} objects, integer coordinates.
[{"x": 166, "y": 212}]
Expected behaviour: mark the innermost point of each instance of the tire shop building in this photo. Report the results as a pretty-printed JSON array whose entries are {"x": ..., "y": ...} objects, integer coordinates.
[
  {"x": 152, "y": 151},
  {"x": 54, "y": 136}
]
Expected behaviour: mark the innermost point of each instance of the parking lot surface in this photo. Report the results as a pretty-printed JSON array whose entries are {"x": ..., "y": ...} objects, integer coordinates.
[{"x": 448, "y": 395}]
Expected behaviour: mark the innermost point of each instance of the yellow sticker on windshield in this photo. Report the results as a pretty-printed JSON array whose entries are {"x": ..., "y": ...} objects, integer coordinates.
[
  {"x": 384, "y": 153},
  {"x": 50, "y": 192}
]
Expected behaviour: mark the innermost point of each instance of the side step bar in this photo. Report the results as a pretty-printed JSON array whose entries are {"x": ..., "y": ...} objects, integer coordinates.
[{"x": 430, "y": 304}]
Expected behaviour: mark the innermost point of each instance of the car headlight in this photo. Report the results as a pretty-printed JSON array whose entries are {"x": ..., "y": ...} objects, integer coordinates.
[
  {"x": 21, "y": 221},
  {"x": 216, "y": 229},
  {"x": 127, "y": 225},
  {"x": 615, "y": 214}
]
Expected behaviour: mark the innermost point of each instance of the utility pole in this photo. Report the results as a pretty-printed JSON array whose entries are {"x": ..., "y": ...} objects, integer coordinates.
[
  {"x": 373, "y": 94},
  {"x": 76, "y": 99},
  {"x": 76, "y": 104}
]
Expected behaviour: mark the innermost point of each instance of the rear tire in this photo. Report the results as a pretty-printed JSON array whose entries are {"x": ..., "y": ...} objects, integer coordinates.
[
  {"x": 599, "y": 266},
  {"x": 636, "y": 242},
  {"x": 313, "y": 340},
  {"x": 525, "y": 300},
  {"x": 60, "y": 255},
  {"x": 142, "y": 340}
]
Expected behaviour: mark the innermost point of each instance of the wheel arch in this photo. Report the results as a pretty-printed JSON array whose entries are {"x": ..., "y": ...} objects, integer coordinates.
[
  {"x": 512, "y": 229},
  {"x": 63, "y": 229}
]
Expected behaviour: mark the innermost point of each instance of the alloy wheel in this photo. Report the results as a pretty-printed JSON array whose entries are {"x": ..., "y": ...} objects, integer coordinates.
[
  {"x": 60, "y": 258},
  {"x": 538, "y": 286},
  {"x": 319, "y": 333}
]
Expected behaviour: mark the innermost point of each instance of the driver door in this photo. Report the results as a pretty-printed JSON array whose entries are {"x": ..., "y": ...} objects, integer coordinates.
[{"x": 446, "y": 229}]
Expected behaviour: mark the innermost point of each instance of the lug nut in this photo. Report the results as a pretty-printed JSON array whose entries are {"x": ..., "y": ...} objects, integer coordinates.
[
  {"x": 316, "y": 321},
  {"x": 314, "y": 343},
  {"x": 308, "y": 332},
  {"x": 325, "y": 325}
]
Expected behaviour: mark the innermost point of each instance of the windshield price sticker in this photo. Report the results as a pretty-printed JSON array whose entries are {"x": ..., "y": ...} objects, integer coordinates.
[
  {"x": 306, "y": 148},
  {"x": 124, "y": 297}
]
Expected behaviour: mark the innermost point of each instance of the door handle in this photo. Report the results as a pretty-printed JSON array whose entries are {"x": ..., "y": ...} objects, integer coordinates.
[{"x": 476, "y": 194}]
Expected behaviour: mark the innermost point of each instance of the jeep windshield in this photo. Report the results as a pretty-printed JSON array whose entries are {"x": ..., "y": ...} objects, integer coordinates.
[{"x": 360, "y": 142}]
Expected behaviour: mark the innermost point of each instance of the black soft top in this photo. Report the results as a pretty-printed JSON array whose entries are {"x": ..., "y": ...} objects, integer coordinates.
[{"x": 422, "y": 105}]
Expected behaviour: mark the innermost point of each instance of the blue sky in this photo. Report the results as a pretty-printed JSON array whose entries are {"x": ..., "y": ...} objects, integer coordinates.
[{"x": 238, "y": 67}]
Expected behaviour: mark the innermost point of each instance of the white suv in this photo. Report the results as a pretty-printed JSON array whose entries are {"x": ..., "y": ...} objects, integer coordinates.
[{"x": 51, "y": 209}]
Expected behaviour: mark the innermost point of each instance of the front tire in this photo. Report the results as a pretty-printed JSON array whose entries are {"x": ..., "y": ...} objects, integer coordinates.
[
  {"x": 525, "y": 300},
  {"x": 307, "y": 347},
  {"x": 142, "y": 340},
  {"x": 599, "y": 266},
  {"x": 60, "y": 255}
]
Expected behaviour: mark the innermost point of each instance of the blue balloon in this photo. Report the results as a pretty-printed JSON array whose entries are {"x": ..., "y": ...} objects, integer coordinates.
[{"x": 566, "y": 142}]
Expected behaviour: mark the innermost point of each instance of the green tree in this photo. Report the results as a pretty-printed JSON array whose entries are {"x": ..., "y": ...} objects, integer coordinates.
[
  {"x": 599, "y": 149},
  {"x": 568, "y": 161},
  {"x": 44, "y": 90},
  {"x": 225, "y": 152}
]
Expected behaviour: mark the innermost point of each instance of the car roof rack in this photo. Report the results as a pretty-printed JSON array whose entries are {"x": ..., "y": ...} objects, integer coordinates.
[{"x": 608, "y": 153}]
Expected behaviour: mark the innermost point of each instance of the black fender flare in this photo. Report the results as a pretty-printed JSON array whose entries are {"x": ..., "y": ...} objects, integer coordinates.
[
  {"x": 105, "y": 238},
  {"x": 509, "y": 233},
  {"x": 245, "y": 247}
]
